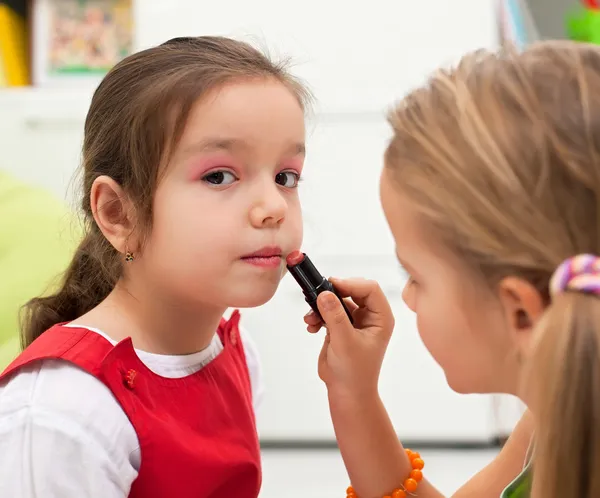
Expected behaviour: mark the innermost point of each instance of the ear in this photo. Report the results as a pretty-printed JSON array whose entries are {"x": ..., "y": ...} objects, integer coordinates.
[
  {"x": 113, "y": 213},
  {"x": 523, "y": 305}
]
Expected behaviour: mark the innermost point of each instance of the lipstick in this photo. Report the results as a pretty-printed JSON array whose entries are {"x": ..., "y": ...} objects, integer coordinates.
[{"x": 311, "y": 281}]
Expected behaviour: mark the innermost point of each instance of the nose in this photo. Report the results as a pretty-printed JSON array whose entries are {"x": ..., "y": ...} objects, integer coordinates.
[{"x": 270, "y": 207}]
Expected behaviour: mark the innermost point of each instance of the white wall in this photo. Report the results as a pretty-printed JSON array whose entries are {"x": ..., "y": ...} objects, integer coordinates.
[
  {"x": 358, "y": 60},
  {"x": 355, "y": 57}
]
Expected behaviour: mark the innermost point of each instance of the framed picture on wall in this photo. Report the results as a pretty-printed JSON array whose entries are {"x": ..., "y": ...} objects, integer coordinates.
[{"x": 78, "y": 41}]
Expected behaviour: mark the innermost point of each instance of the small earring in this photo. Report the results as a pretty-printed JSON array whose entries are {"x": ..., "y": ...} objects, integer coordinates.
[{"x": 129, "y": 257}]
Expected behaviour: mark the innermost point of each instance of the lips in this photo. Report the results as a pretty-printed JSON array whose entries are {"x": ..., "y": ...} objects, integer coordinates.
[
  {"x": 266, "y": 258},
  {"x": 265, "y": 252}
]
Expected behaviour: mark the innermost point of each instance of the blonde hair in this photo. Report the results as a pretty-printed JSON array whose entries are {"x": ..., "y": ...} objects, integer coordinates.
[{"x": 501, "y": 157}]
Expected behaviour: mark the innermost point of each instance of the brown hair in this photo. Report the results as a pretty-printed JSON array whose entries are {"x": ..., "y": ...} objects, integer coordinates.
[
  {"x": 127, "y": 138},
  {"x": 501, "y": 156}
]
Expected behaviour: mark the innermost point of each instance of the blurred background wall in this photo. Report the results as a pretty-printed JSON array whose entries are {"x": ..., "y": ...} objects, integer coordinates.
[{"x": 358, "y": 58}]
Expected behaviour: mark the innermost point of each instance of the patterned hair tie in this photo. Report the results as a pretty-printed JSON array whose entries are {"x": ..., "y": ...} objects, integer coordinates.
[{"x": 579, "y": 274}]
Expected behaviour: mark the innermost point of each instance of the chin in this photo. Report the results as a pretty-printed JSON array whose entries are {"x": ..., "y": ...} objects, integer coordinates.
[
  {"x": 467, "y": 385},
  {"x": 461, "y": 385},
  {"x": 252, "y": 298}
]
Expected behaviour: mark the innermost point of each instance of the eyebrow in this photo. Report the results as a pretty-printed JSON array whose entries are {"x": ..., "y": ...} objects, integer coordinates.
[{"x": 231, "y": 145}]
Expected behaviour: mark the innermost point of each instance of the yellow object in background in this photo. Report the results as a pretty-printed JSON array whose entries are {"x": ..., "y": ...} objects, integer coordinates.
[
  {"x": 14, "y": 57},
  {"x": 3, "y": 81}
]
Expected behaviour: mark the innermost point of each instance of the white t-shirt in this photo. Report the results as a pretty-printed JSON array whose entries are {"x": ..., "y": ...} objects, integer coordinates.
[{"x": 64, "y": 435}]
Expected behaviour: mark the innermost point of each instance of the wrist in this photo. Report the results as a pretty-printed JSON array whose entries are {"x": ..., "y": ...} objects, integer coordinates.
[{"x": 341, "y": 395}]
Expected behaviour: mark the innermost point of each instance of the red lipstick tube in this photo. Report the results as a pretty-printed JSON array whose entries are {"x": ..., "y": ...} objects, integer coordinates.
[{"x": 311, "y": 281}]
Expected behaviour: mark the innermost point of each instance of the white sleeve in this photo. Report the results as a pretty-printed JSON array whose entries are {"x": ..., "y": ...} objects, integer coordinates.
[
  {"x": 63, "y": 435},
  {"x": 254, "y": 367}
]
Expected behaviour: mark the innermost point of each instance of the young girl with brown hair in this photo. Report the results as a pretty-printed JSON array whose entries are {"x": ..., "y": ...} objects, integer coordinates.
[
  {"x": 491, "y": 187},
  {"x": 192, "y": 154}
]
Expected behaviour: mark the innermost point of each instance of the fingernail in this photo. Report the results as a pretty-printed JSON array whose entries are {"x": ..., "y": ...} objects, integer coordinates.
[
  {"x": 329, "y": 302},
  {"x": 310, "y": 313}
]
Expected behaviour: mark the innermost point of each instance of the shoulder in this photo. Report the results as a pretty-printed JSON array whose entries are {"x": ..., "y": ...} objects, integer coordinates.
[
  {"x": 506, "y": 467},
  {"x": 254, "y": 366},
  {"x": 250, "y": 348},
  {"x": 57, "y": 401}
]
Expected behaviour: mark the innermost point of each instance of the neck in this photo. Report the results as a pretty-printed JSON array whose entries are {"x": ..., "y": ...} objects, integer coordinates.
[{"x": 155, "y": 324}]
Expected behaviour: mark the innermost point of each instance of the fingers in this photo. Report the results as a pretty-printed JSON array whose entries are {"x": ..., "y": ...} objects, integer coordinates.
[
  {"x": 313, "y": 329},
  {"x": 366, "y": 294},
  {"x": 333, "y": 313},
  {"x": 314, "y": 321},
  {"x": 361, "y": 294},
  {"x": 311, "y": 318}
]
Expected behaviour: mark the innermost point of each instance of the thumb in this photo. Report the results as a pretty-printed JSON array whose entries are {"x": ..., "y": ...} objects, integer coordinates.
[{"x": 333, "y": 313}]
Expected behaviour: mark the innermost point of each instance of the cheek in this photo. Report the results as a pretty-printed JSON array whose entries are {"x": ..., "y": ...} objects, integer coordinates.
[
  {"x": 294, "y": 224},
  {"x": 443, "y": 330},
  {"x": 466, "y": 341},
  {"x": 171, "y": 205},
  {"x": 181, "y": 221},
  {"x": 446, "y": 338},
  {"x": 436, "y": 331},
  {"x": 186, "y": 211}
]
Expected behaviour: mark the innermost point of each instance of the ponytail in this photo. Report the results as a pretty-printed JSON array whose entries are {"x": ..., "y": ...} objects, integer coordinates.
[
  {"x": 564, "y": 389},
  {"x": 88, "y": 280}
]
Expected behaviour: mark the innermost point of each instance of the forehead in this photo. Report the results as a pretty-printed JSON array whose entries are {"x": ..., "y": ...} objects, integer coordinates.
[
  {"x": 402, "y": 218},
  {"x": 258, "y": 113},
  {"x": 416, "y": 243}
]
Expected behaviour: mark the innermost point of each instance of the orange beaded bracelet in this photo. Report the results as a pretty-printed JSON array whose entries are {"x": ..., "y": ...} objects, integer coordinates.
[{"x": 410, "y": 484}]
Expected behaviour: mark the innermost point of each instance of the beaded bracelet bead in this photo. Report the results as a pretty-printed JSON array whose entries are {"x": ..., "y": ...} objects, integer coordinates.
[{"x": 410, "y": 484}]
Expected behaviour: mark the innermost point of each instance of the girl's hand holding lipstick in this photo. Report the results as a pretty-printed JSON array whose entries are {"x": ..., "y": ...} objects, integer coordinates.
[
  {"x": 349, "y": 364},
  {"x": 352, "y": 355}
]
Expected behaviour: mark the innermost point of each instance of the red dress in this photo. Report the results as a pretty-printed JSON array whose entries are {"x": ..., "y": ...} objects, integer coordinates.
[{"x": 197, "y": 434}]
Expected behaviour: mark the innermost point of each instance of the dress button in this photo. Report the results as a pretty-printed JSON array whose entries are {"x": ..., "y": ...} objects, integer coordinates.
[{"x": 129, "y": 378}]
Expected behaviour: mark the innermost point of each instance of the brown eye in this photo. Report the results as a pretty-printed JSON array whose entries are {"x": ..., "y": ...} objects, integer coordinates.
[
  {"x": 288, "y": 179},
  {"x": 219, "y": 178}
]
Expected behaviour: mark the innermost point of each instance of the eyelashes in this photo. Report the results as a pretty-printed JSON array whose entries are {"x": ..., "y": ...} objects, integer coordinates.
[
  {"x": 404, "y": 272},
  {"x": 288, "y": 179},
  {"x": 222, "y": 177}
]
